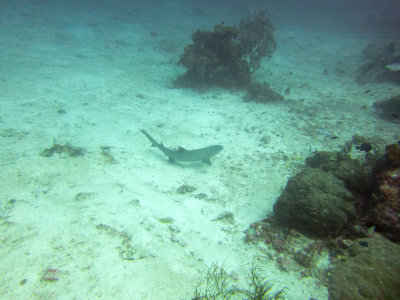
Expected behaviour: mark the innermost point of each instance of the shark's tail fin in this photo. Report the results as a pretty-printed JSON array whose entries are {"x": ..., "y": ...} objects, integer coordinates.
[{"x": 153, "y": 142}]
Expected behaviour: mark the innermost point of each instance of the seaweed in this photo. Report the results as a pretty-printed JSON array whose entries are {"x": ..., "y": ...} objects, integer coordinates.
[
  {"x": 5, "y": 209},
  {"x": 218, "y": 284},
  {"x": 260, "y": 287},
  {"x": 67, "y": 149}
]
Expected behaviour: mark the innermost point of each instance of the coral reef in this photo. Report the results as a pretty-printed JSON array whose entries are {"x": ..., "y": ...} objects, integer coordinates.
[
  {"x": 378, "y": 63},
  {"x": 371, "y": 272},
  {"x": 357, "y": 177},
  {"x": 315, "y": 203},
  {"x": 256, "y": 40},
  {"x": 392, "y": 154},
  {"x": 390, "y": 108},
  {"x": 385, "y": 202},
  {"x": 227, "y": 56},
  {"x": 214, "y": 60},
  {"x": 337, "y": 195},
  {"x": 293, "y": 252},
  {"x": 354, "y": 206}
]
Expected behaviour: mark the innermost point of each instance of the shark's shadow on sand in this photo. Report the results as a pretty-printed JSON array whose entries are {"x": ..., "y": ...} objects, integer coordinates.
[{"x": 183, "y": 155}]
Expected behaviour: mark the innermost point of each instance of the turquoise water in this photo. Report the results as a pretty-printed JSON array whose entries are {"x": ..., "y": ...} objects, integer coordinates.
[{"x": 103, "y": 217}]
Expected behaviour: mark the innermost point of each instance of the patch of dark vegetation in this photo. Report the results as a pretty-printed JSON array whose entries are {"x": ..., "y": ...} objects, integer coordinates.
[
  {"x": 106, "y": 152},
  {"x": 184, "y": 189},
  {"x": 218, "y": 284},
  {"x": 65, "y": 149},
  {"x": 5, "y": 209},
  {"x": 12, "y": 133},
  {"x": 127, "y": 251},
  {"x": 61, "y": 111}
]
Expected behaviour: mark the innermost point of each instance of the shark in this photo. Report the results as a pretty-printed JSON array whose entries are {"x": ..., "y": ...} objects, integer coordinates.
[{"x": 184, "y": 155}]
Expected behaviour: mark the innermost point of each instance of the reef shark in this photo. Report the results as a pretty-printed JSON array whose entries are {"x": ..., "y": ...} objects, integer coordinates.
[{"x": 203, "y": 154}]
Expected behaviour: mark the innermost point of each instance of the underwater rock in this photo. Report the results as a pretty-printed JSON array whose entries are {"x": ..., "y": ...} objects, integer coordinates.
[
  {"x": 315, "y": 203},
  {"x": 376, "y": 59},
  {"x": 358, "y": 177},
  {"x": 372, "y": 271},
  {"x": 392, "y": 154},
  {"x": 385, "y": 202},
  {"x": 390, "y": 108},
  {"x": 374, "y": 183}
]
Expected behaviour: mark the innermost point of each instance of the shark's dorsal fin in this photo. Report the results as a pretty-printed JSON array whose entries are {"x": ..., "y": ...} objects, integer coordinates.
[
  {"x": 206, "y": 161},
  {"x": 181, "y": 149}
]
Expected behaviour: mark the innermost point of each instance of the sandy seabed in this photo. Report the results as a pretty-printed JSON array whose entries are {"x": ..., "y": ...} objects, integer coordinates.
[{"x": 110, "y": 224}]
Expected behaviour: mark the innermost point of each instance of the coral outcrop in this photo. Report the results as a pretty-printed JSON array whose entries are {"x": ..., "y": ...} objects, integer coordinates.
[
  {"x": 385, "y": 202},
  {"x": 315, "y": 203},
  {"x": 214, "y": 59},
  {"x": 336, "y": 194},
  {"x": 371, "y": 272},
  {"x": 227, "y": 56}
]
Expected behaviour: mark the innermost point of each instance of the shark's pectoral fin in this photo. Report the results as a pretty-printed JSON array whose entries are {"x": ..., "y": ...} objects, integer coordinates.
[
  {"x": 181, "y": 149},
  {"x": 171, "y": 160},
  {"x": 206, "y": 161}
]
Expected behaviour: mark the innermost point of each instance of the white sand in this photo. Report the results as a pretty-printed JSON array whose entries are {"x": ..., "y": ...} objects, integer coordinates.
[{"x": 113, "y": 79}]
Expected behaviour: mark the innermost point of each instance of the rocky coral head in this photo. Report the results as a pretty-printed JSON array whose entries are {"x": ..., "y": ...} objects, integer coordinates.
[
  {"x": 226, "y": 56},
  {"x": 392, "y": 154}
]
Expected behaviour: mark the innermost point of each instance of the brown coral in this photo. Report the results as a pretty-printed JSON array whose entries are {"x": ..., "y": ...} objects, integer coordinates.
[
  {"x": 372, "y": 271},
  {"x": 386, "y": 213},
  {"x": 225, "y": 57}
]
